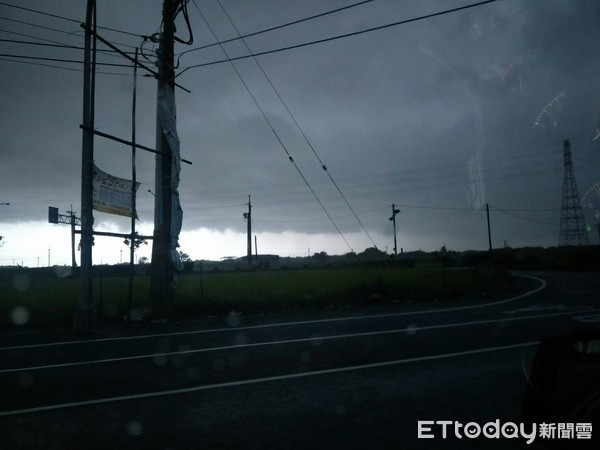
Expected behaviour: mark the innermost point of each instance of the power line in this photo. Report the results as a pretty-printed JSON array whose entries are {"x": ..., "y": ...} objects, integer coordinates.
[
  {"x": 38, "y": 26},
  {"x": 526, "y": 218},
  {"x": 438, "y": 208},
  {"x": 277, "y": 135},
  {"x": 98, "y": 72},
  {"x": 106, "y": 42},
  {"x": 65, "y": 18},
  {"x": 39, "y": 12},
  {"x": 395, "y": 185},
  {"x": 295, "y": 22},
  {"x": 58, "y": 45},
  {"x": 282, "y": 193},
  {"x": 30, "y": 36},
  {"x": 41, "y": 44},
  {"x": 202, "y": 208},
  {"x": 323, "y": 166},
  {"x": 135, "y": 61},
  {"x": 506, "y": 210},
  {"x": 341, "y": 36},
  {"x": 72, "y": 33},
  {"x": 70, "y": 61}
]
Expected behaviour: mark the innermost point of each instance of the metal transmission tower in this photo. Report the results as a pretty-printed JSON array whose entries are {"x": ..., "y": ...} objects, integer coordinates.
[{"x": 572, "y": 223}]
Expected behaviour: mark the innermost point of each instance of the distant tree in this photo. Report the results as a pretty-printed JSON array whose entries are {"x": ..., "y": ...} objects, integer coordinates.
[
  {"x": 186, "y": 260},
  {"x": 372, "y": 253},
  {"x": 445, "y": 256},
  {"x": 320, "y": 256},
  {"x": 143, "y": 260}
]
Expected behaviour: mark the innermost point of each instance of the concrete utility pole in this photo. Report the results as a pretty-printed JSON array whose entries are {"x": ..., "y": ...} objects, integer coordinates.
[
  {"x": 161, "y": 273},
  {"x": 133, "y": 191},
  {"x": 393, "y": 219},
  {"x": 248, "y": 217},
  {"x": 84, "y": 312},
  {"x": 487, "y": 212}
]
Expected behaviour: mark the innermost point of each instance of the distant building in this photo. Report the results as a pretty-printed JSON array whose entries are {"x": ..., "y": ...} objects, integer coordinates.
[{"x": 262, "y": 260}]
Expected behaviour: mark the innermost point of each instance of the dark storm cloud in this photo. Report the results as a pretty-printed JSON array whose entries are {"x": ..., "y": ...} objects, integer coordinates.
[{"x": 412, "y": 115}]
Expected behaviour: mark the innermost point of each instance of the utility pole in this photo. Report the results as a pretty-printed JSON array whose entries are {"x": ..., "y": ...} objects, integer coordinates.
[
  {"x": 84, "y": 312},
  {"x": 487, "y": 212},
  {"x": 133, "y": 190},
  {"x": 72, "y": 221},
  {"x": 248, "y": 217},
  {"x": 161, "y": 274},
  {"x": 393, "y": 219}
]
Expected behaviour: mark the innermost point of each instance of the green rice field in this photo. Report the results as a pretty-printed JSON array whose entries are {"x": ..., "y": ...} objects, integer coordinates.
[{"x": 30, "y": 298}]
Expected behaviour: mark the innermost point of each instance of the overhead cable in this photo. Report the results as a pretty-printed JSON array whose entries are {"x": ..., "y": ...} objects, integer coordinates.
[
  {"x": 323, "y": 166},
  {"x": 295, "y": 22},
  {"x": 526, "y": 218},
  {"x": 30, "y": 36},
  {"x": 71, "y": 61},
  {"x": 72, "y": 69},
  {"x": 341, "y": 36},
  {"x": 291, "y": 159},
  {"x": 57, "y": 45},
  {"x": 65, "y": 18}
]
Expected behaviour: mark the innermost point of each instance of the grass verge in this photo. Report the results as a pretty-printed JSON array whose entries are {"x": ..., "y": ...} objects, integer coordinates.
[{"x": 40, "y": 300}]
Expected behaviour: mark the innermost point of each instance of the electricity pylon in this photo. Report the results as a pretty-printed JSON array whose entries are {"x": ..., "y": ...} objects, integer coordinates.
[{"x": 572, "y": 222}]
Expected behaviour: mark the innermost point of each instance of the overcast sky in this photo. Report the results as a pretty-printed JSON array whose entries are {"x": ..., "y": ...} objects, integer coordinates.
[{"x": 436, "y": 116}]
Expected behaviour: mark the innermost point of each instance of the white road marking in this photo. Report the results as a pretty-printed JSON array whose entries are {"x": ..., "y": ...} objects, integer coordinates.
[
  {"x": 410, "y": 330},
  {"x": 588, "y": 318},
  {"x": 540, "y": 308},
  {"x": 263, "y": 380},
  {"x": 543, "y": 285}
]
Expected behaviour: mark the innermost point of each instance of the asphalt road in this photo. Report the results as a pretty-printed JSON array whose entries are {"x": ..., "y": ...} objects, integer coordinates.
[{"x": 361, "y": 379}]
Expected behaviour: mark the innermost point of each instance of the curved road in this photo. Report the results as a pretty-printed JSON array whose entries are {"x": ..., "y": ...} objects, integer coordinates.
[{"x": 360, "y": 380}]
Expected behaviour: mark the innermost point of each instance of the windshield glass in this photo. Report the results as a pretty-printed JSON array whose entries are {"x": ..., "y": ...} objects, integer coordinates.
[{"x": 272, "y": 224}]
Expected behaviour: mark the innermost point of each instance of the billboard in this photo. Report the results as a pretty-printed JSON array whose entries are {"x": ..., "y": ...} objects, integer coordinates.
[{"x": 112, "y": 195}]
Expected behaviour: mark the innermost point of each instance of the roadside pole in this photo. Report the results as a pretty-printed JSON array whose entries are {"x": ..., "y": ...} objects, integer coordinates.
[
  {"x": 487, "y": 211},
  {"x": 161, "y": 273},
  {"x": 133, "y": 192},
  {"x": 72, "y": 220},
  {"x": 393, "y": 219},
  {"x": 249, "y": 232},
  {"x": 84, "y": 313}
]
